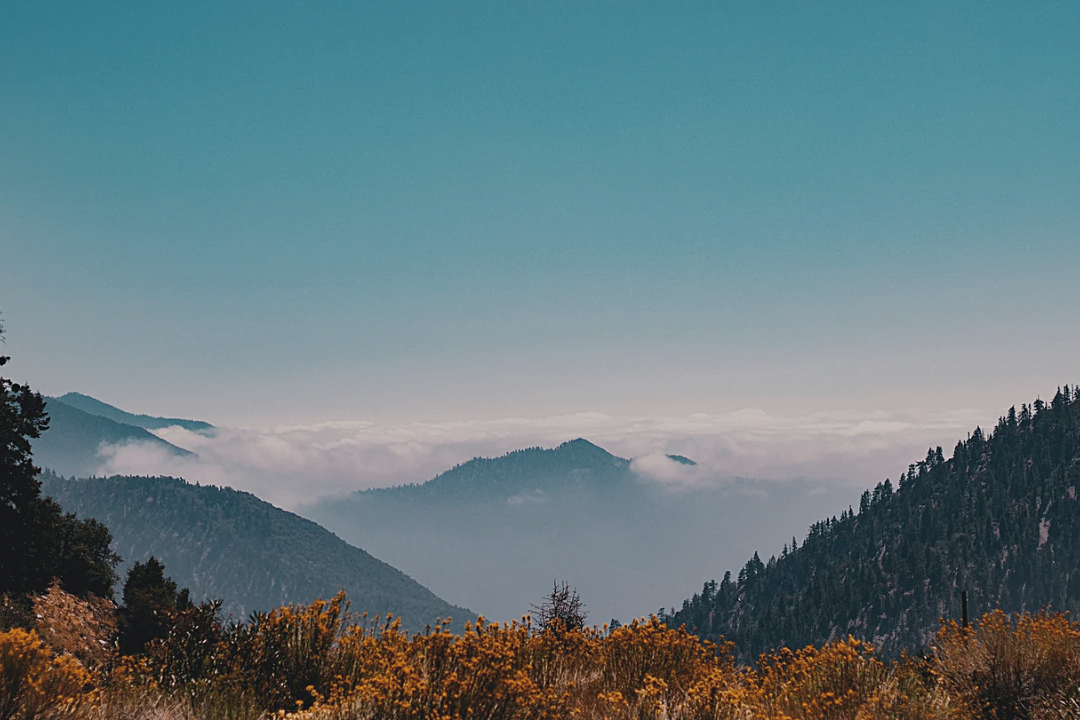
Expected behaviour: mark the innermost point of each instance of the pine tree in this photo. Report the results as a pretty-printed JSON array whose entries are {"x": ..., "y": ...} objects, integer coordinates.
[
  {"x": 152, "y": 603},
  {"x": 22, "y": 419},
  {"x": 38, "y": 541}
]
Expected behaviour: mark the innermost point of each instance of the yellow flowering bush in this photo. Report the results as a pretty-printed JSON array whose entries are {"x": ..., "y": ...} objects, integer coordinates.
[
  {"x": 35, "y": 684},
  {"x": 318, "y": 662},
  {"x": 831, "y": 683}
]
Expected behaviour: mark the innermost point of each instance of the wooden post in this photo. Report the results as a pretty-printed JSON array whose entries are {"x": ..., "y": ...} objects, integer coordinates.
[{"x": 963, "y": 609}]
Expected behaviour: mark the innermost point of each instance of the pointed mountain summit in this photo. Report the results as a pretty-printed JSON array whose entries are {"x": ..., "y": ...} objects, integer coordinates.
[{"x": 147, "y": 422}]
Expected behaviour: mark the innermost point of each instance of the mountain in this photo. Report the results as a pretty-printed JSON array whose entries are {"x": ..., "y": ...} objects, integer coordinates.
[
  {"x": 72, "y": 444},
  {"x": 999, "y": 519},
  {"x": 94, "y": 406},
  {"x": 222, "y": 543},
  {"x": 493, "y": 533}
]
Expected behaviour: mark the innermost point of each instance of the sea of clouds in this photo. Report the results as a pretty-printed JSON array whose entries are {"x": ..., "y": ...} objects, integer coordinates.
[{"x": 293, "y": 465}]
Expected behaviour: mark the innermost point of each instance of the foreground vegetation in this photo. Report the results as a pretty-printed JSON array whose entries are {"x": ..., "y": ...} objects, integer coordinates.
[{"x": 319, "y": 662}]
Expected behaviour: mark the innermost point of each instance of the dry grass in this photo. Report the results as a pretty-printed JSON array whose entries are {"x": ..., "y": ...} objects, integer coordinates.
[{"x": 1026, "y": 666}]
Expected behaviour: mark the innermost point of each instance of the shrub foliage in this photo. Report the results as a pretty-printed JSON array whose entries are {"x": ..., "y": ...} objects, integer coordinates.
[{"x": 319, "y": 662}]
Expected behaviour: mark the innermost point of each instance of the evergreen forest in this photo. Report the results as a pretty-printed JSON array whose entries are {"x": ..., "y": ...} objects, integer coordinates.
[{"x": 999, "y": 519}]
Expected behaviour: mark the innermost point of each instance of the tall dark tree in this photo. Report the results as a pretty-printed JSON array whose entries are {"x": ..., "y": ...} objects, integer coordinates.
[
  {"x": 152, "y": 603},
  {"x": 38, "y": 541},
  {"x": 22, "y": 419},
  {"x": 74, "y": 550}
]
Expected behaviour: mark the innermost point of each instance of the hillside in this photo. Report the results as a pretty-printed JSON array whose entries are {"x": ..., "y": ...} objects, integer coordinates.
[
  {"x": 1000, "y": 518},
  {"x": 222, "y": 543},
  {"x": 72, "y": 444},
  {"x": 492, "y": 533},
  {"x": 148, "y": 422}
]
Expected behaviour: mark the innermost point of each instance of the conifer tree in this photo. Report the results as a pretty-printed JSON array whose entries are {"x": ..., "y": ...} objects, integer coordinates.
[
  {"x": 38, "y": 541},
  {"x": 22, "y": 419},
  {"x": 151, "y": 604}
]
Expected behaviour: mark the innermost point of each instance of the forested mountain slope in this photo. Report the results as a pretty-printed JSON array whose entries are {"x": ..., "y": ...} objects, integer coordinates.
[
  {"x": 72, "y": 444},
  {"x": 222, "y": 543},
  {"x": 1000, "y": 518}
]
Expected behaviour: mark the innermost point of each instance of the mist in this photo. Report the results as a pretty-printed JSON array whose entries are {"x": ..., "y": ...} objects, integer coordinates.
[{"x": 292, "y": 465}]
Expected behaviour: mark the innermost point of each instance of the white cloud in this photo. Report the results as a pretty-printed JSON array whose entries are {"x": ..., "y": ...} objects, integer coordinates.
[
  {"x": 292, "y": 465},
  {"x": 658, "y": 467}
]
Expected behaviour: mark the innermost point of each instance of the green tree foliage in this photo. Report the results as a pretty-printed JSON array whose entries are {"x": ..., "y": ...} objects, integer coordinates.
[
  {"x": 22, "y": 418},
  {"x": 38, "y": 541},
  {"x": 152, "y": 603},
  {"x": 1000, "y": 519}
]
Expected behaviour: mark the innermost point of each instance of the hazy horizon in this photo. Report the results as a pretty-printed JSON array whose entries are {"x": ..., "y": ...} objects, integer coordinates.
[{"x": 292, "y": 464}]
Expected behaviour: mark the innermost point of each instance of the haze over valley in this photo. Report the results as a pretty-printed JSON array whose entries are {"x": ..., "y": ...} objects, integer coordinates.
[{"x": 491, "y": 535}]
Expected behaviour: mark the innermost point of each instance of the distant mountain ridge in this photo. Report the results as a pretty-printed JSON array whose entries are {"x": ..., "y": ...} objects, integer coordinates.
[
  {"x": 492, "y": 533},
  {"x": 147, "y": 422},
  {"x": 576, "y": 461},
  {"x": 999, "y": 519},
  {"x": 227, "y": 544},
  {"x": 72, "y": 445}
]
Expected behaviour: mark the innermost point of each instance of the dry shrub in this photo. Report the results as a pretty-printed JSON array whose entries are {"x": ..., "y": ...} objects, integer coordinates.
[
  {"x": 317, "y": 662},
  {"x": 913, "y": 691},
  {"x": 562, "y": 659},
  {"x": 275, "y": 662},
  {"x": 1025, "y": 666},
  {"x": 484, "y": 673},
  {"x": 83, "y": 628},
  {"x": 36, "y": 685},
  {"x": 509, "y": 672},
  {"x": 833, "y": 683},
  {"x": 648, "y": 669},
  {"x": 291, "y": 649}
]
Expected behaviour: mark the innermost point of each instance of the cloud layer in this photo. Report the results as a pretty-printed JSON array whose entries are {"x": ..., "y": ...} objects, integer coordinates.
[{"x": 292, "y": 465}]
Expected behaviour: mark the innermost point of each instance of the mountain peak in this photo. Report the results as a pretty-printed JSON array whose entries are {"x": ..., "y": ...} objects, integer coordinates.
[
  {"x": 575, "y": 460},
  {"x": 582, "y": 448},
  {"x": 577, "y": 443}
]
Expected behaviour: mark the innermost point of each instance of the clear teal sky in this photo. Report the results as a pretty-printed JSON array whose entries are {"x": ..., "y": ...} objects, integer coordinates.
[{"x": 283, "y": 211}]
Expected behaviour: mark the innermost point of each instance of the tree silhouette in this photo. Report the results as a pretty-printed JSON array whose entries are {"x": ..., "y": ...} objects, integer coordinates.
[
  {"x": 561, "y": 610},
  {"x": 38, "y": 541},
  {"x": 22, "y": 419},
  {"x": 151, "y": 606}
]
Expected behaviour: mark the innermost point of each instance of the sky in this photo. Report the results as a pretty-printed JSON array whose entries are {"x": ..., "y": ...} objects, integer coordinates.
[{"x": 409, "y": 214}]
